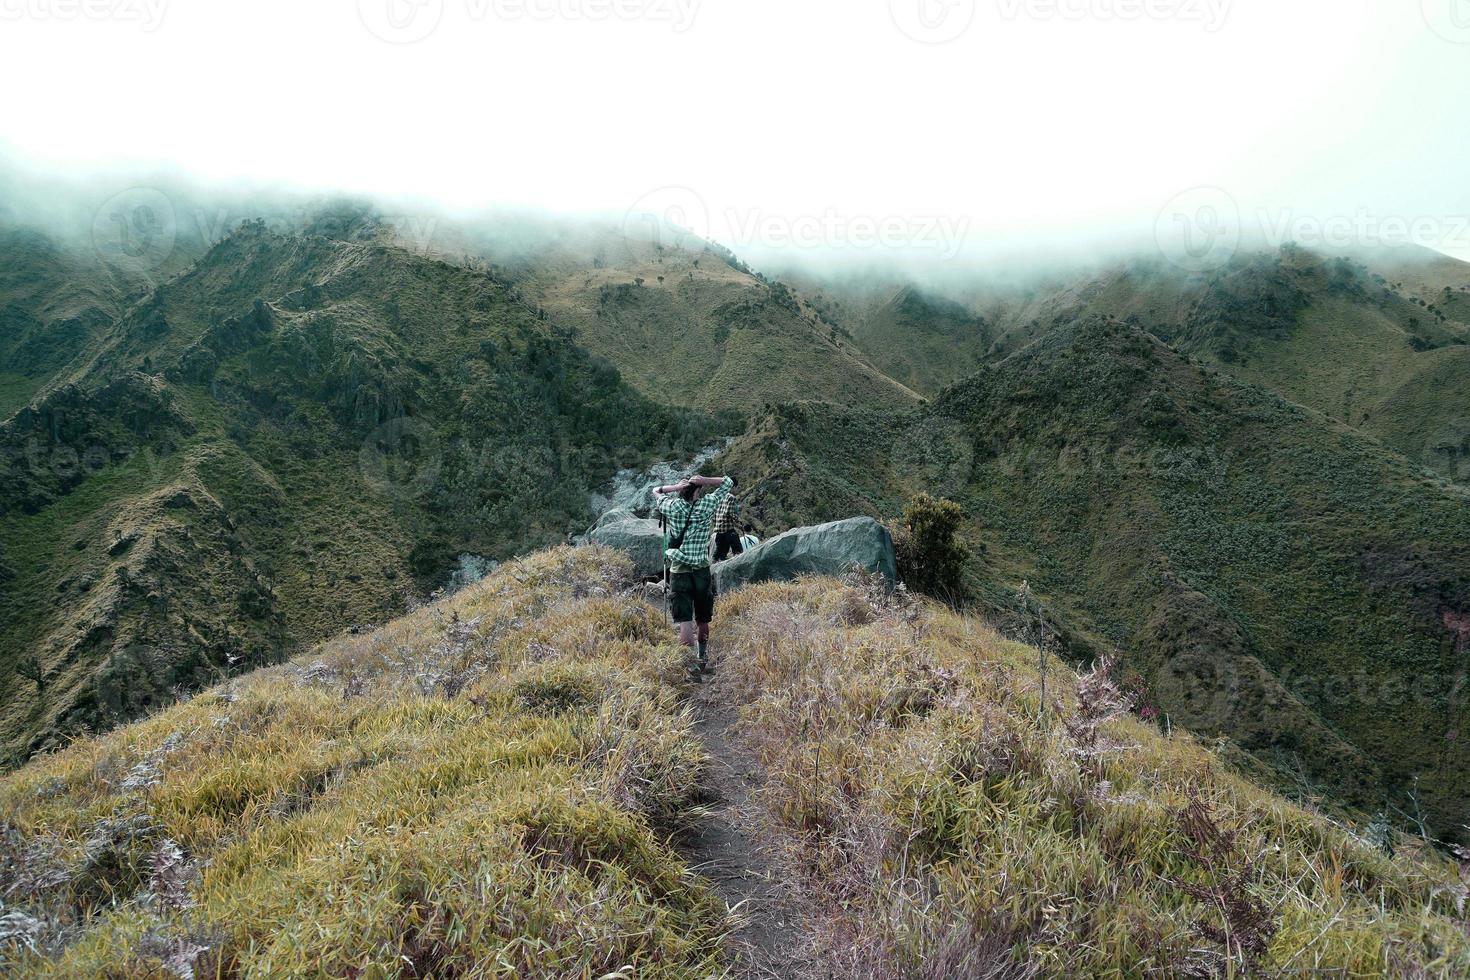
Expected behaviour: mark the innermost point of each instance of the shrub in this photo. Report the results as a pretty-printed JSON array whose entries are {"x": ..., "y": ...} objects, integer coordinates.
[{"x": 930, "y": 558}]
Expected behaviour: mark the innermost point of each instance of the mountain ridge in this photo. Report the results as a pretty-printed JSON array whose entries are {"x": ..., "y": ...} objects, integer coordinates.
[{"x": 291, "y": 436}]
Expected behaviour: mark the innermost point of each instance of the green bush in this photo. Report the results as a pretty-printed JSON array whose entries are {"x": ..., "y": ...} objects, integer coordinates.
[{"x": 930, "y": 558}]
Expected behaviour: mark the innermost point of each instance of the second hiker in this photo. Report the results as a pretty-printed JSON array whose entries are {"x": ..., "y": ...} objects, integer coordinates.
[
  {"x": 689, "y": 510},
  {"x": 727, "y": 525}
]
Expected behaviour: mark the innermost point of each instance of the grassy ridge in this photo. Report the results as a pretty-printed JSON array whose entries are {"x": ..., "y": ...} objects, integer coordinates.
[
  {"x": 485, "y": 787},
  {"x": 951, "y": 829},
  {"x": 472, "y": 789}
]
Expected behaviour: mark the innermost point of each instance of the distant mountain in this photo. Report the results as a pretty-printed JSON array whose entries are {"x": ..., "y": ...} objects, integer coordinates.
[
  {"x": 918, "y": 337},
  {"x": 686, "y": 323},
  {"x": 1276, "y": 576},
  {"x": 295, "y": 434},
  {"x": 53, "y": 304},
  {"x": 1381, "y": 344}
]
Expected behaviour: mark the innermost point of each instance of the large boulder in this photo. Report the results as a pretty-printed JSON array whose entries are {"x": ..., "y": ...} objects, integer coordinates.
[
  {"x": 826, "y": 549},
  {"x": 638, "y": 537}
]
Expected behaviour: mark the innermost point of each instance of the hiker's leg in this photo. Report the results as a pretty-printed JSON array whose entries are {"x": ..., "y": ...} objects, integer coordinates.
[
  {"x": 682, "y": 605},
  {"x": 704, "y": 611},
  {"x": 727, "y": 543}
]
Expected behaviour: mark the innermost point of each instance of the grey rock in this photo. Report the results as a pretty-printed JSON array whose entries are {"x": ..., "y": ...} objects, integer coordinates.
[
  {"x": 638, "y": 537},
  {"x": 826, "y": 549}
]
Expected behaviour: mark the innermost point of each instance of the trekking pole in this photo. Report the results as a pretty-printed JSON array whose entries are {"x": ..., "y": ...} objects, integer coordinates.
[{"x": 663, "y": 526}]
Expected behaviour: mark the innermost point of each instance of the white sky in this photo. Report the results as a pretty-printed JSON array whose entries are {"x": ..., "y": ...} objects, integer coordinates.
[{"x": 821, "y": 122}]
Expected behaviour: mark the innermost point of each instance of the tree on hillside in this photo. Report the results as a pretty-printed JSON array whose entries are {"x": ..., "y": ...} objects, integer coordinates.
[
  {"x": 930, "y": 557},
  {"x": 30, "y": 668}
]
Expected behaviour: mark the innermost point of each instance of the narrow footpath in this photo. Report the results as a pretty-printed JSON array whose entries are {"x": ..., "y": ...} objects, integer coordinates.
[{"x": 725, "y": 847}]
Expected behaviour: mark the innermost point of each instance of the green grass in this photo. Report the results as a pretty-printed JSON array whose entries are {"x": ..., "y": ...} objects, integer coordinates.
[
  {"x": 15, "y": 391},
  {"x": 1410, "y": 399}
]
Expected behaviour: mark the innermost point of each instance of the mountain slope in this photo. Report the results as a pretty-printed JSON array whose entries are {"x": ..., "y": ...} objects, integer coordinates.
[
  {"x": 52, "y": 305},
  {"x": 920, "y": 339},
  {"x": 293, "y": 435},
  {"x": 687, "y": 324},
  {"x": 1382, "y": 346},
  {"x": 1276, "y": 577}
]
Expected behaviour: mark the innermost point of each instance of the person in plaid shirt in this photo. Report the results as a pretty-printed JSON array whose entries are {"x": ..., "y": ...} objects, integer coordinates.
[
  {"x": 727, "y": 527},
  {"x": 689, "y": 509}
]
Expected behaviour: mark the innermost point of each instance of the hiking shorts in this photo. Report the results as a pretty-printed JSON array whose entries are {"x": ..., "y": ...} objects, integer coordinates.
[{"x": 692, "y": 596}]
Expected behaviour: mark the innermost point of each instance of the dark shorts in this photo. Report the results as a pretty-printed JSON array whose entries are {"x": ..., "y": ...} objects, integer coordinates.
[
  {"x": 727, "y": 543},
  {"x": 692, "y": 596}
]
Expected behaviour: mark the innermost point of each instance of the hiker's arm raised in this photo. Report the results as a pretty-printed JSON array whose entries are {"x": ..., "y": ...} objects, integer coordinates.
[{"x": 707, "y": 504}]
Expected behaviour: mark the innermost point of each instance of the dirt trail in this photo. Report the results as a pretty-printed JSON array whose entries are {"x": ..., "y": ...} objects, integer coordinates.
[{"x": 726, "y": 848}]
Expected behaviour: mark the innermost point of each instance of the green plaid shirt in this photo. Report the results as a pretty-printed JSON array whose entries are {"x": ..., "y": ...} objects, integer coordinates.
[{"x": 699, "y": 516}]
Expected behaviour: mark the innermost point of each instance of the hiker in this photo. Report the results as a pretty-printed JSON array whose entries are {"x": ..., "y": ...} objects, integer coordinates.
[
  {"x": 688, "y": 509},
  {"x": 727, "y": 528}
]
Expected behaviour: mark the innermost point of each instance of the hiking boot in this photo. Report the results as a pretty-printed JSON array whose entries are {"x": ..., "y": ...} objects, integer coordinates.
[
  {"x": 694, "y": 675},
  {"x": 705, "y": 668}
]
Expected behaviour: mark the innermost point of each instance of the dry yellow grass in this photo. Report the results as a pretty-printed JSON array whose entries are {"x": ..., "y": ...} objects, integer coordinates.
[
  {"x": 958, "y": 831},
  {"x": 471, "y": 790},
  {"x": 487, "y": 786}
]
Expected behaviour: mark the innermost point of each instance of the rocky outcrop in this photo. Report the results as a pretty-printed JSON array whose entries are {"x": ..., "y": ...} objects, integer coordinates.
[
  {"x": 826, "y": 549},
  {"x": 637, "y": 537}
]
